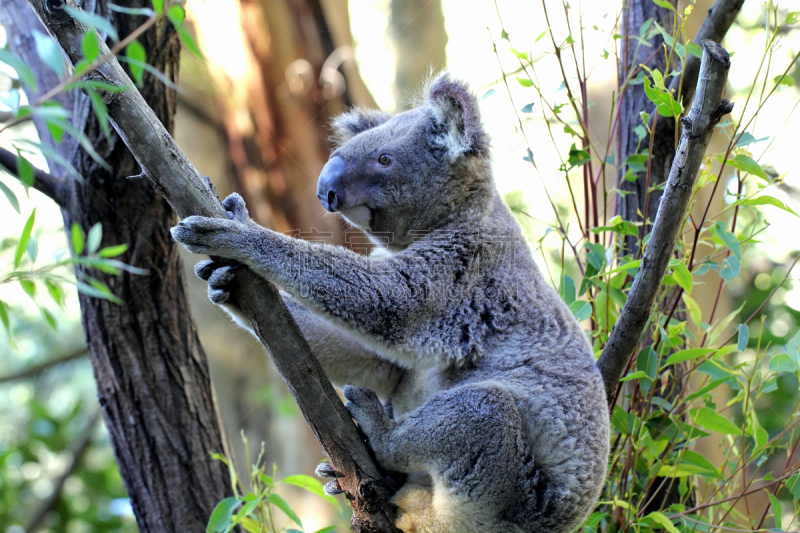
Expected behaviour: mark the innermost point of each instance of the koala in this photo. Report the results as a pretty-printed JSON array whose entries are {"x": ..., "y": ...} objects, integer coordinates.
[{"x": 462, "y": 366}]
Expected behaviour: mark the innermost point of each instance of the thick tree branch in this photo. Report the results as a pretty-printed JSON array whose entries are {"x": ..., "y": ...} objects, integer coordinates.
[
  {"x": 57, "y": 189},
  {"x": 170, "y": 172},
  {"x": 715, "y": 26},
  {"x": 38, "y": 368},
  {"x": 698, "y": 126}
]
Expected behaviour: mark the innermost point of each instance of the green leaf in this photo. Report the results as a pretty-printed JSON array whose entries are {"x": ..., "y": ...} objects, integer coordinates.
[
  {"x": 100, "y": 111},
  {"x": 28, "y": 286},
  {"x": 746, "y": 164},
  {"x": 647, "y": 362},
  {"x": 665, "y": 4},
  {"x": 695, "y": 49},
  {"x": 792, "y": 17},
  {"x": 94, "y": 238},
  {"x": 793, "y": 486},
  {"x": 313, "y": 486},
  {"x": 767, "y": 200},
  {"x": 709, "y": 419},
  {"x": 25, "y": 171},
  {"x": 744, "y": 336},
  {"x": 10, "y": 196},
  {"x": 636, "y": 375},
  {"x": 49, "y": 52},
  {"x": 704, "y": 465},
  {"x": 55, "y": 292},
  {"x": 777, "y": 512},
  {"x": 101, "y": 24},
  {"x": 730, "y": 268},
  {"x": 521, "y": 55},
  {"x": 113, "y": 251},
  {"x": 660, "y": 518},
  {"x": 783, "y": 363},
  {"x": 135, "y": 52},
  {"x": 100, "y": 291},
  {"x": 695, "y": 313},
  {"x": 525, "y": 82},
  {"x": 24, "y": 72},
  {"x": 581, "y": 309},
  {"x": 158, "y": 5},
  {"x": 541, "y": 36},
  {"x": 681, "y": 275},
  {"x": 746, "y": 139},
  {"x": 577, "y": 157},
  {"x": 220, "y": 517},
  {"x": 281, "y": 504},
  {"x": 49, "y": 318},
  {"x": 4, "y": 315},
  {"x": 144, "y": 11},
  {"x": 687, "y": 355},
  {"x": 567, "y": 289},
  {"x": 90, "y": 46},
  {"x": 329, "y": 529},
  {"x": 76, "y": 236},
  {"x": 730, "y": 240},
  {"x": 23, "y": 239},
  {"x": 657, "y": 93}
]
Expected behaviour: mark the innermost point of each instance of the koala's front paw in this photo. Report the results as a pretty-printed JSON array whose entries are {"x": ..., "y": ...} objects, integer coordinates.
[
  {"x": 219, "y": 275},
  {"x": 214, "y": 236},
  {"x": 368, "y": 411}
]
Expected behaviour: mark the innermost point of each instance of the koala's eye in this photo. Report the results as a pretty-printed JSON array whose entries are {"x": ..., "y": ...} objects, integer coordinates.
[{"x": 385, "y": 160}]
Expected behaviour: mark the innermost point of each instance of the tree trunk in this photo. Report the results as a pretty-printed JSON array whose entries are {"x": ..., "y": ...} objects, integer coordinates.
[
  {"x": 641, "y": 204},
  {"x": 152, "y": 375},
  {"x": 417, "y": 28}
]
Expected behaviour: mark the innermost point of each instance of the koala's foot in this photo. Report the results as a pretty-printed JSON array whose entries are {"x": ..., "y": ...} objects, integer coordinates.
[
  {"x": 368, "y": 411},
  {"x": 219, "y": 274},
  {"x": 230, "y": 238}
]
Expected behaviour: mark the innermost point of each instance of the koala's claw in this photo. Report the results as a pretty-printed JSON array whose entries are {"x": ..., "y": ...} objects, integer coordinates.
[
  {"x": 332, "y": 488},
  {"x": 236, "y": 208},
  {"x": 368, "y": 411},
  {"x": 327, "y": 470},
  {"x": 218, "y": 274}
]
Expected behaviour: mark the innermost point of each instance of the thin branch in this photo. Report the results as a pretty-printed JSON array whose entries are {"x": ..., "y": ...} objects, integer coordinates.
[
  {"x": 38, "y": 368},
  {"x": 698, "y": 127},
  {"x": 77, "y": 452},
  {"x": 171, "y": 173},
  {"x": 51, "y": 186}
]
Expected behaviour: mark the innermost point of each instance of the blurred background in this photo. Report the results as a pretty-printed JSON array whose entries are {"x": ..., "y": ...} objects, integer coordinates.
[{"x": 254, "y": 117}]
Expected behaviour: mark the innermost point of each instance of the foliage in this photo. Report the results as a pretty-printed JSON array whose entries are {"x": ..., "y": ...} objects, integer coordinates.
[
  {"x": 692, "y": 385},
  {"x": 255, "y": 509}
]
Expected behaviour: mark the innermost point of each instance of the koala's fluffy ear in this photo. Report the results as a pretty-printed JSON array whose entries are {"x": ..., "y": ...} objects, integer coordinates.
[
  {"x": 455, "y": 107},
  {"x": 348, "y": 125}
]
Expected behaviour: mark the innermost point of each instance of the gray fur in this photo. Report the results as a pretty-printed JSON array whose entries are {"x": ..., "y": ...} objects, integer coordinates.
[{"x": 495, "y": 393}]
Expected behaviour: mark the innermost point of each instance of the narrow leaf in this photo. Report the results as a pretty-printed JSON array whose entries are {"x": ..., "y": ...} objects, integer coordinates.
[
  {"x": 76, "y": 236},
  {"x": 23, "y": 239},
  {"x": 281, "y": 504},
  {"x": 220, "y": 517}
]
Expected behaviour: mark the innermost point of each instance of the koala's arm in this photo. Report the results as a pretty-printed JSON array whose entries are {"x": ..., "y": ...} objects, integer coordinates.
[
  {"x": 344, "y": 359},
  {"x": 381, "y": 301}
]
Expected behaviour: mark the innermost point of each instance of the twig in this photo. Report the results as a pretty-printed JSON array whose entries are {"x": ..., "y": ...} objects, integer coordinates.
[
  {"x": 698, "y": 127},
  {"x": 51, "y": 186},
  {"x": 171, "y": 173},
  {"x": 38, "y": 368},
  {"x": 77, "y": 451}
]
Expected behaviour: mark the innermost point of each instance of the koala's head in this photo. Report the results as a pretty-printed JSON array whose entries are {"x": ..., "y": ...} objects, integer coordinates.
[{"x": 393, "y": 176}]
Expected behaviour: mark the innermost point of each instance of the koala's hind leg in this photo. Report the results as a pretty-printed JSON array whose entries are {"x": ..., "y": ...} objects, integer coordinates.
[{"x": 469, "y": 439}]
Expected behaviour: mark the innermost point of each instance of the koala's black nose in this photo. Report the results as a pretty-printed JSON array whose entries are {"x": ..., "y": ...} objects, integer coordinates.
[{"x": 329, "y": 187}]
